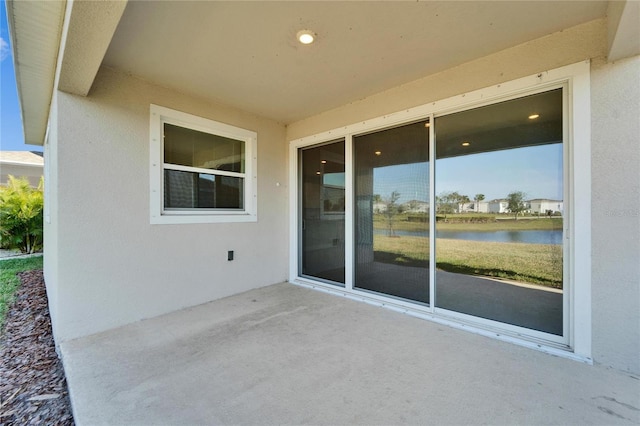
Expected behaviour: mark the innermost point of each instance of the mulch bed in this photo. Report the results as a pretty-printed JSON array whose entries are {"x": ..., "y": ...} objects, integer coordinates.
[{"x": 33, "y": 389}]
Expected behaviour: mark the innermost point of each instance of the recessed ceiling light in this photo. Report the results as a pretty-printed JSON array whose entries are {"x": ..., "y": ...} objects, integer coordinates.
[
  {"x": 534, "y": 116},
  {"x": 324, "y": 161},
  {"x": 378, "y": 152},
  {"x": 318, "y": 172},
  {"x": 306, "y": 36},
  {"x": 465, "y": 144}
]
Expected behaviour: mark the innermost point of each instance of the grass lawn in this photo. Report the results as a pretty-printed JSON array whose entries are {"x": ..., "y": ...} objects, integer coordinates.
[
  {"x": 505, "y": 223},
  {"x": 9, "y": 281},
  {"x": 529, "y": 263}
]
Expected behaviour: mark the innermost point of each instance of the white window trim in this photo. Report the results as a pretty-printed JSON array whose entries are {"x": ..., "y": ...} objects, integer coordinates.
[
  {"x": 576, "y": 80},
  {"x": 160, "y": 115}
]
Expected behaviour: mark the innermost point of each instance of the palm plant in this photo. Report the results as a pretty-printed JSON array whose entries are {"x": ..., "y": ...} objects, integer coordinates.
[{"x": 21, "y": 214}]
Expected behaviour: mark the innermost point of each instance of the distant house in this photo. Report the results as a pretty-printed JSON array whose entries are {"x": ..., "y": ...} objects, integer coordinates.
[
  {"x": 543, "y": 205},
  {"x": 379, "y": 207},
  {"x": 21, "y": 164},
  {"x": 475, "y": 207},
  {"x": 416, "y": 206},
  {"x": 499, "y": 205}
]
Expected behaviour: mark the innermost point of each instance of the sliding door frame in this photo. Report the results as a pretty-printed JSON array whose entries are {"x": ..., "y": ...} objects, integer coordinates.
[{"x": 575, "y": 82}]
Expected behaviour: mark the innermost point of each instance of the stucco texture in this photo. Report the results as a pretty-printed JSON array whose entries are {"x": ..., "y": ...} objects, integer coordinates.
[
  {"x": 615, "y": 212},
  {"x": 114, "y": 267}
]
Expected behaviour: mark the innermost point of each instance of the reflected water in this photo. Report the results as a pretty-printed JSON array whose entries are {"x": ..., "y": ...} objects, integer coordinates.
[{"x": 552, "y": 236}]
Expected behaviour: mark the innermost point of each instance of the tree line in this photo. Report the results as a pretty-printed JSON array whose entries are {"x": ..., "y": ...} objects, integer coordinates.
[{"x": 450, "y": 202}]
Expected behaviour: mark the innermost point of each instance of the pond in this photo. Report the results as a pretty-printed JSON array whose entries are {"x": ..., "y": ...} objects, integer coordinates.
[{"x": 552, "y": 236}]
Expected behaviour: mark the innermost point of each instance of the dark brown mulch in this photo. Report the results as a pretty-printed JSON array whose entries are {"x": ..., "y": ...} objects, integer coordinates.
[{"x": 33, "y": 389}]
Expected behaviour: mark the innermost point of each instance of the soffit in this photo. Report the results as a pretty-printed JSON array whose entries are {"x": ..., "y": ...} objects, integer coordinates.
[
  {"x": 624, "y": 29},
  {"x": 90, "y": 27},
  {"x": 35, "y": 29},
  {"x": 244, "y": 54}
]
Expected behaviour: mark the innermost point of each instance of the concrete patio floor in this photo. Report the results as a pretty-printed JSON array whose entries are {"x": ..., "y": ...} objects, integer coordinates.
[{"x": 285, "y": 354}]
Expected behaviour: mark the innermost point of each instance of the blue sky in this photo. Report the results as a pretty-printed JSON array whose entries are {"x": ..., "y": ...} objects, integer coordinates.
[
  {"x": 11, "y": 136},
  {"x": 536, "y": 171}
]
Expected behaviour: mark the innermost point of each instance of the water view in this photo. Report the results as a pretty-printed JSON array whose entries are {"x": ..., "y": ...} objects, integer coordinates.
[{"x": 548, "y": 236}]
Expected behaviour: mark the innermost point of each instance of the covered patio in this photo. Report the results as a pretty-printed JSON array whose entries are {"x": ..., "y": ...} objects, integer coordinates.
[
  {"x": 285, "y": 354},
  {"x": 164, "y": 307}
]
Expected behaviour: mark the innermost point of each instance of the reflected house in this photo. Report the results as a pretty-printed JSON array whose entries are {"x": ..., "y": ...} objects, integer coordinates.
[
  {"x": 277, "y": 154},
  {"x": 544, "y": 206},
  {"x": 475, "y": 207},
  {"x": 499, "y": 205},
  {"x": 379, "y": 207},
  {"x": 416, "y": 206}
]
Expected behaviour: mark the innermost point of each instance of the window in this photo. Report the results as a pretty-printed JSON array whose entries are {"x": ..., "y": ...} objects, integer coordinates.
[{"x": 202, "y": 171}]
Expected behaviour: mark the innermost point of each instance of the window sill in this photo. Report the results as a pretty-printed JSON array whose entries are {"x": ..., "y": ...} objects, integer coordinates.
[{"x": 176, "y": 219}]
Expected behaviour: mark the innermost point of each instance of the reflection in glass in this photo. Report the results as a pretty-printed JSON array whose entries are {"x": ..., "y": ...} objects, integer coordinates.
[
  {"x": 192, "y": 148},
  {"x": 499, "y": 212},
  {"x": 392, "y": 212},
  {"x": 187, "y": 190},
  {"x": 323, "y": 209}
]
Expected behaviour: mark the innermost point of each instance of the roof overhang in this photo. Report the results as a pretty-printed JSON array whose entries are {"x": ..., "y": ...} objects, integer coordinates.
[
  {"x": 89, "y": 28},
  {"x": 623, "y": 21},
  {"x": 35, "y": 28},
  {"x": 57, "y": 43},
  {"x": 62, "y": 44}
]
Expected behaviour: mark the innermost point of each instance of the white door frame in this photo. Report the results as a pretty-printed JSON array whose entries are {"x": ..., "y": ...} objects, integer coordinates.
[{"x": 575, "y": 80}]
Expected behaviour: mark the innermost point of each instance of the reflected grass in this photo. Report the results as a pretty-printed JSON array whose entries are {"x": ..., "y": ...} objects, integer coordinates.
[
  {"x": 501, "y": 223},
  {"x": 530, "y": 263}
]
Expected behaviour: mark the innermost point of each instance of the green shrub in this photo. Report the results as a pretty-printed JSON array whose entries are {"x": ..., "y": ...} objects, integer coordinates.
[{"x": 21, "y": 215}]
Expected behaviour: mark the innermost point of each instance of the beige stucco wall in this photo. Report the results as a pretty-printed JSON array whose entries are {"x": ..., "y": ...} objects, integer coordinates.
[
  {"x": 615, "y": 212},
  {"x": 113, "y": 267},
  {"x": 51, "y": 247},
  {"x": 615, "y": 249}
]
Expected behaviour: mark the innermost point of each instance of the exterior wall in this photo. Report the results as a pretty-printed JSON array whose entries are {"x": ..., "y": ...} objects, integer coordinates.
[
  {"x": 615, "y": 294},
  {"x": 497, "y": 206},
  {"x": 482, "y": 207},
  {"x": 475, "y": 207},
  {"x": 32, "y": 173},
  {"x": 615, "y": 232},
  {"x": 51, "y": 251},
  {"x": 112, "y": 266}
]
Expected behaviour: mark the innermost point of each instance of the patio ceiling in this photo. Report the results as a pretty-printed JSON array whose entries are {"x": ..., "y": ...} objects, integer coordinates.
[{"x": 245, "y": 54}]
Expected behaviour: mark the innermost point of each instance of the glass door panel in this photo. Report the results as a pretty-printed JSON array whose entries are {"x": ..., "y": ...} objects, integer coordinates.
[
  {"x": 499, "y": 212},
  {"x": 391, "y": 169},
  {"x": 322, "y": 212}
]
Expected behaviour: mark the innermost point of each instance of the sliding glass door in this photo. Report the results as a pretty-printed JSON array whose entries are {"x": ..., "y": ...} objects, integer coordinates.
[
  {"x": 322, "y": 213},
  {"x": 391, "y": 169},
  {"x": 476, "y": 235},
  {"x": 499, "y": 212}
]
